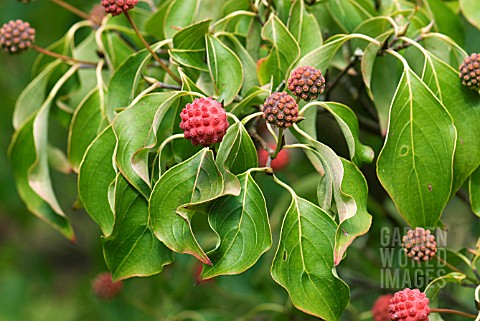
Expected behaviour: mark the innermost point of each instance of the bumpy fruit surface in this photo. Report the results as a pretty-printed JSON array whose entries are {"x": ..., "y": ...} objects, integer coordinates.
[
  {"x": 470, "y": 71},
  {"x": 116, "y": 7},
  {"x": 409, "y": 305},
  {"x": 279, "y": 163},
  {"x": 419, "y": 244},
  {"x": 204, "y": 122},
  {"x": 380, "y": 308},
  {"x": 104, "y": 288},
  {"x": 16, "y": 36},
  {"x": 306, "y": 83},
  {"x": 280, "y": 109}
]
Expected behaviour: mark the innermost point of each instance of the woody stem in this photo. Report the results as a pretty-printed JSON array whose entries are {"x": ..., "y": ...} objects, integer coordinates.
[
  {"x": 154, "y": 55},
  {"x": 66, "y": 59},
  {"x": 73, "y": 9},
  {"x": 450, "y": 311}
]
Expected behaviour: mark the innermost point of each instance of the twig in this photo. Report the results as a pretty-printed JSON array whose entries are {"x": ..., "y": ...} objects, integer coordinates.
[
  {"x": 450, "y": 311},
  {"x": 72, "y": 9},
  {"x": 154, "y": 55},
  {"x": 66, "y": 59}
]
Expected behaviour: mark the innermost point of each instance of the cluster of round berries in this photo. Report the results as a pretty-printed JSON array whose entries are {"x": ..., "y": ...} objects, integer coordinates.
[
  {"x": 405, "y": 305},
  {"x": 16, "y": 36},
  {"x": 419, "y": 244},
  {"x": 280, "y": 109},
  {"x": 117, "y": 7},
  {"x": 470, "y": 71}
]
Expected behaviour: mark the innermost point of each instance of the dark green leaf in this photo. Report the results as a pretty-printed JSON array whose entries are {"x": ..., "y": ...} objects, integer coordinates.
[
  {"x": 241, "y": 223},
  {"x": 196, "y": 180},
  {"x": 471, "y": 11},
  {"x": 415, "y": 164},
  {"x": 474, "y": 190},
  {"x": 304, "y": 28},
  {"x": 304, "y": 264},
  {"x": 95, "y": 178},
  {"x": 132, "y": 249},
  {"x": 180, "y": 13}
]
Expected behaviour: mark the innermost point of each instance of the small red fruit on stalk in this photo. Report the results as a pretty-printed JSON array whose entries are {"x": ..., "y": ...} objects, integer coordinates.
[
  {"x": 280, "y": 109},
  {"x": 104, "y": 288},
  {"x": 116, "y": 7},
  {"x": 16, "y": 36},
  {"x": 279, "y": 163},
  {"x": 409, "y": 305},
  {"x": 380, "y": 308},
  {"x": 204, "y": 122}
]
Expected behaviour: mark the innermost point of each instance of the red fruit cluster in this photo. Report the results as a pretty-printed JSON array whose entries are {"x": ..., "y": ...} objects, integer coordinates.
[
  {"x": 380, "y": 308},
  {"x": 104, "y": 288},
  {"x": 470, "y": 71},
  {"x": 279, "y": 163},
  {"x": 204, "y": 122},
  {"x": 116, "y": 7},
  {"x": 16, "y": 36},
  {"x": 409, "y": 305},
  {"x": 419, "y": 244},
  {"x": 306, "y": 83},
  {"x": 280, "y": 109}
]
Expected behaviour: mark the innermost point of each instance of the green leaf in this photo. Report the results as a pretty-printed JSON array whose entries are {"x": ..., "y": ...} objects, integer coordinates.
[
  {"x": 124, "y": 83},
  {"x": 180, "y": 13},
  {"x": 471, "y": 11},
  {"x": 415, "y": 164},
  {"x": 117, "y": 50},
  {"x": 474, "y": 191},
  {"x": 225, "y": 69},
  {"x": 321, "y": 57},
  {"x": 85, "y": 125},
  {"x": 131, "y": 128},
  {"x": 241, "y": 223},
  {"x": 463, "y": 106},
  {"x": 349, "y": 13},
  {"x": 22, "y": 157},
  {"x": 433, "y": 288},
  {"x": 347, "y": 120},
  {"x": 445, "y": 20},
  {"x": 304, "y": 27},
  {"x": 189, "y": 47},
  {"x": 353, "y": 184},
  {"x": 157, "y": 19},
  {"x": 333, "y": 172},
  {"x": 249, "y": 66},
  {"x": 32, "y": 97},
  {"x": 303, "y": 263},
  {"x": 254, "y": 97},
  {"x": 132, "y": 249},
  {"x": 96, "y": 174},
  {"x": 236, "y": 155},
  {"x": 282, "y": 56},
  {"x": 194, "y": 181}
]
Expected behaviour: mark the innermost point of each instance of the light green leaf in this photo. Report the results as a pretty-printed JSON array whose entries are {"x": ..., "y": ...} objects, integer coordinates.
[
  {"x": 225, "y": 69},
  {"x": 304, "y": 27},
  {"x": 154, "y": 24},
  {"x": 282, "y": 56},
  {"x": 445, "y": 20},
  {"x": 303, "y": 263},
  {"x": 353, "y": 184},
  {"x": 96, "y": 174},
  {"x": 349, "y": 13},
  {"x": 180, "y": 13},
  {"x": 32, "y": 97},
  {"x": 196, "y": 180},
  {"x": 241, "y": 223},
  {"x": 132, "y": 249},
  {"x": 471, "y": 11},
  {"x": 22, "y": 156},
  {"x": 253, "y": 98},
  {"x": 415, "y": 164},
  {"x": 85, "y": 125},
  {"x": 474, "y": 191}
]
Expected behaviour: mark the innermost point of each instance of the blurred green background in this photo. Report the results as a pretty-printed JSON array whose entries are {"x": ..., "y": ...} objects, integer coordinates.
[{"x": 44, "y": 277}]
